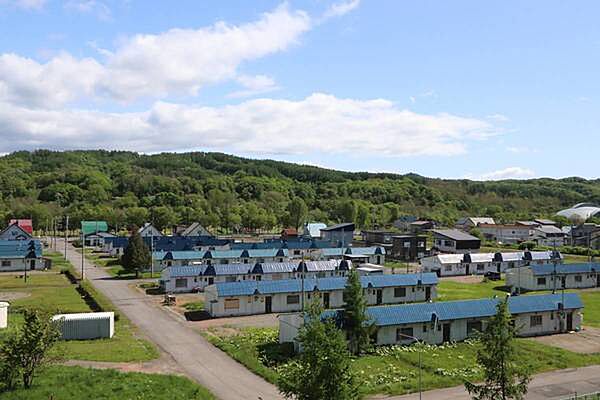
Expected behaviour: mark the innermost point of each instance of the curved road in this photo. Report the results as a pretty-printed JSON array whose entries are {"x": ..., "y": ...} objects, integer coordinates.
[{"x": 201, "y": 361}]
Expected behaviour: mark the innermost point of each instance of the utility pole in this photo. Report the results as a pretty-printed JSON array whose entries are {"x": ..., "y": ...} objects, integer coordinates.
[
  {"x": 66, "y": 235},
  {"x": 82, "y": 251}
]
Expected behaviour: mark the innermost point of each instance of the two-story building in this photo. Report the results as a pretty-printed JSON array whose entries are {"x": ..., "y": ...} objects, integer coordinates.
[{"x": 455, "y": 241}]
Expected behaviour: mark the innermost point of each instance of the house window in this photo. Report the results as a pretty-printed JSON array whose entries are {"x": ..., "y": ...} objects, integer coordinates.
[
  {"x": 448, "y": 268},
  {"x": 230, "y": 279},
  {"x": 232, "y": 304},
  {"x": 541, "y": 281},
  {"x": 6, "y": 263},
  {"x": 577, "y": 278},
  {"x": 180, "y": 283},
  {"x": 293, "y": 299},
  {"x": 511, "y": 264},
  {"x": 480, "y": 267},
  {"x": 399, "y": 292},
  {"x": 407, "y": 245},
  {"x": 296, "y": 252},
  {"x": 421, "y": 244},
  {"x": 424, "y": 328},
  {"x": 535, "y": 320},
  {"x": 474, "y": 326},
  {"x": 402, "y": 333}
]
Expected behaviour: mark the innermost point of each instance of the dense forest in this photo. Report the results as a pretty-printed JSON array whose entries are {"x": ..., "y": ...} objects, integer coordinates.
[{"x": 229, "y": 193}]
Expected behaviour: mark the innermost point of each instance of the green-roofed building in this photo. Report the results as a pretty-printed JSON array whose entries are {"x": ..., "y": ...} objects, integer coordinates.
[{"x": 88, "y": 227}]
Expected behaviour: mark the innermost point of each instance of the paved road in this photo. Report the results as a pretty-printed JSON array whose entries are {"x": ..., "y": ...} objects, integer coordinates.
[
  {"x": 547, "y": 386},
  {"x": 201, "y": 361}
]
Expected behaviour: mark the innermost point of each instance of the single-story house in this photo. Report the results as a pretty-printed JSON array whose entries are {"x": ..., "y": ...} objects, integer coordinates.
[
  {"x": 505, "y": 233},
  {"x": 19, "y": 255},
  {"x": 372, "y": 255},
  {"x": 420, "y": 226},
  {"x": 25, "y": 224},
  {"x": 377, "y": 237},
  {"x": 440, "y": 322},
  {"x": 480, "y": 263},
  {"x": 148, "y": 230},
  {"x": 549, "y": 235},
  {"x": 195, "y": 229},
  {"x": 467, "y": 223},
  {"x": 97, "y": 239},
  {"x": 455, "y": 241},
  {"x": 14, "y": 231},
  {"x": 260, "y": 297},
  {"x": 187, "y": 278},
  {"x": 552, "y": 277},
  {"x": 339, "y": 234}
]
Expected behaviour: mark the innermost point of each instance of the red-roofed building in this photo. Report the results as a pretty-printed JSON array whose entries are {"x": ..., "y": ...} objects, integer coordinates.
[{"x": 25, "y": 224}]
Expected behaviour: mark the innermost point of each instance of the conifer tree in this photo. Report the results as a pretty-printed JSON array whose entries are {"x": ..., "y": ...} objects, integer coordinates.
[
  {"x": 505, "y": 376},
  {"x": 355, "y": 320},
  {"x": 136, "y": 256}
]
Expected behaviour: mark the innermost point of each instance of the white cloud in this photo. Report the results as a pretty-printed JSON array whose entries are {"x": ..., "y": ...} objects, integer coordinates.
[
  {"x": 254, "y": 85},
  {"x": 498, "y": 118},
  {"x": 176, "y": 62},
  {"x": 97, "y": 8},
  {"x": 318, "y": 123},
  {"x": 341, "y": 8},
  {"x": 25, "y": 4},
  {"x": 521, "y": 149},
  {"x": 506, "y": 173}
]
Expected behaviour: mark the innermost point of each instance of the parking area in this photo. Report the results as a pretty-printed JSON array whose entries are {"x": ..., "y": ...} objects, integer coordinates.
[
  {"x": 464, "y": 278},
  {"x": 586, "y": 341}
]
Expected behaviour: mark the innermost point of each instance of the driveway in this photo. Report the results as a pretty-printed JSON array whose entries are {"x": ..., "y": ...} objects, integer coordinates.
[
  {"x": 547, "y": 386},
  {"x": 197, "y": 358},
  {"x": 586, "y": 341}
]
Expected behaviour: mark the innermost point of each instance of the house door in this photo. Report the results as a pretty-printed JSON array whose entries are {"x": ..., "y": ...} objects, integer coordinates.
[
  {"x": 32, "y": 264},
  {"x": 569, "y": 322},
  {"x": 498, "y": 269},
  {"x": 378, "y": 259},
  {"x": 427, "y": 293},
  {"x": 379, "y": 296},
  {"x": 326, "y": 300},
  {"x": 211, "y": 280},
  {"x": 439, "y": 273},
  {"x": 268, "y": 304},
  {"x": 467, "y": 269},
  {"x": 563, "y": 281},
  {"x": 598, "y": 280},
  {"x": 446, "y": 332}
]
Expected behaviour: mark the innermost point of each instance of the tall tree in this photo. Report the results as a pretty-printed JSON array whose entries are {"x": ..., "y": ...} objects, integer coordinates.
[
  {"x": 505, "y": 374},
  {"x": 26, "y": 350},
  {"x": 136, "y": 256},
  {"x": 297, "y": 212},
  {"x": 323, "y": 369},
  {"x": 356, "y": 323}
]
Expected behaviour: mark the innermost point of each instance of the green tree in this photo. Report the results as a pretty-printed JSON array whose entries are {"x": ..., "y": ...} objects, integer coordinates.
[
  {"x": 505, "y": 374},
  {"x": 136, "y": 256},
  {"x": 297, "y": 212},
  {"x": 163, "y": 217},
  {"x": 356, "y": 323},
  {"x": 323, "y": 368},
  {"x": 25, "y": 351}
]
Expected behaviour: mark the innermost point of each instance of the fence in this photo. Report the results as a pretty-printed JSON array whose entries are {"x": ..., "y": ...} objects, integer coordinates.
[{"x": 589, "y": 396}]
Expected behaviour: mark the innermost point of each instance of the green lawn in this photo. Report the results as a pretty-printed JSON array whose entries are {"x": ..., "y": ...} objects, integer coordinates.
[
  {"x": 75, "y": 383},
  {"x": 394, "y": 369},
  {"x": 52, "y": 291},
  {"x": 194, "y": 306},
  {"x": 451, "y": 290}
]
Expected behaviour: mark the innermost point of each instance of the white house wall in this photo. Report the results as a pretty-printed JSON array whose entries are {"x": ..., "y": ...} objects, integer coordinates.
[{"x": 20, "y": 264}]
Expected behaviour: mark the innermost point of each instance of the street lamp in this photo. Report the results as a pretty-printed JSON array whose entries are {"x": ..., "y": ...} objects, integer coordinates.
[{"x": 420, "y": 368}]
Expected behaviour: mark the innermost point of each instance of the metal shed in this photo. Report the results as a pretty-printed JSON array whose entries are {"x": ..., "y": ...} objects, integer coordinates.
[{"x": 84, "y": 326}]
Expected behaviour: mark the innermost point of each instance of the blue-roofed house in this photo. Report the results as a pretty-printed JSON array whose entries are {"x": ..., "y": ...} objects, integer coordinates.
[
  {"x": 182, "y": 279},
  {"x": 552, "y": 277},
  {"x": 440, "y": 322},
  {"x": 260, "y": 297},
  {"x": 19, "y": 255}
]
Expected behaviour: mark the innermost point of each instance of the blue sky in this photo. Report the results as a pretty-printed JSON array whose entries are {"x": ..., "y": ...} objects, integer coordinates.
[{"x": 444, "y": 89}]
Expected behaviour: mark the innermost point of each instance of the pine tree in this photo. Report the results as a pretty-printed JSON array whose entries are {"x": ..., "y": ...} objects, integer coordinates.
[
  {"x": 355, "y": 320},
  {"x": 505, "y": 376},
  {"x": 323, "y": 368},
  {"x": 136, "y": 256}
]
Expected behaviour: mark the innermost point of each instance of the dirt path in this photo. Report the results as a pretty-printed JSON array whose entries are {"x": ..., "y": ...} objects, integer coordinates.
[{"x": 164, "y": 365}]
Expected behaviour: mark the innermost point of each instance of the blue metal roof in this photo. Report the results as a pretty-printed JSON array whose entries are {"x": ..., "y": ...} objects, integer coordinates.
[
  {"x": 319, "y": 266},
  {"x": 183, "y": 255},
  {"x": 272, "y": 268},
  {"x": 480, "y": 308},
  {"x": 223, "y": 253},
  {"x": 562, "y": 269},
  {"x": 323, "y": 284},
  {"x": 186, "y": 270},
  {"x": 367, "y": 251},
  {"x": 228, "y": 269}
]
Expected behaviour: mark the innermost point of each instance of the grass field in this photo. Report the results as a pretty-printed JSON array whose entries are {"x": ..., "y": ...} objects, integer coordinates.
[
  {"x": 452, "y": 290},
  {"x": 75, "y": 383},
  {"x": 393, "y": 369},
  {"x": 113, "y": 267},
  {"x": 52, "y": 291}
]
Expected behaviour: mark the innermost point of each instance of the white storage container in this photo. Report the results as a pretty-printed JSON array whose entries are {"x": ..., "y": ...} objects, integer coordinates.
[
  {"x": 3, "y": 314},
  {"x": 84, "y": 326}
]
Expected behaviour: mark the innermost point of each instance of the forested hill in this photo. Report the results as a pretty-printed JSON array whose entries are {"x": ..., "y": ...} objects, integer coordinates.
[{"x": 224, "y": 191}]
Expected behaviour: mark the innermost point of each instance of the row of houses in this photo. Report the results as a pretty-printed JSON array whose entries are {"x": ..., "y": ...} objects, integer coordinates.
[
  {"x": 289, "y": 295},
  {"x": 196, "y": 277},
  {"x": 553, "y": 277},
  {"x": 482, "y": 263},
  {"x": 164, "y": 259},
  {"x": 20, "y": 255},
  {"x": 441, "y": 322}
]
